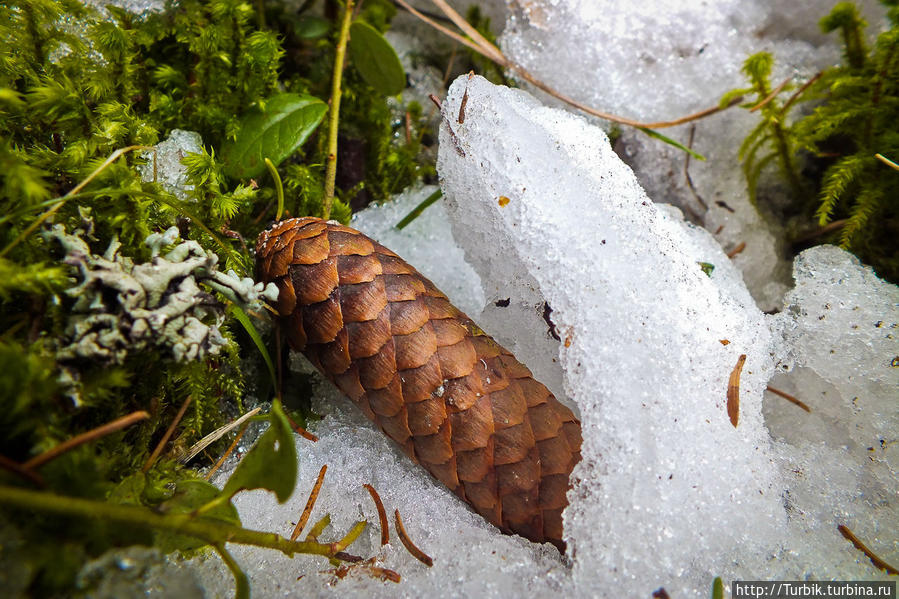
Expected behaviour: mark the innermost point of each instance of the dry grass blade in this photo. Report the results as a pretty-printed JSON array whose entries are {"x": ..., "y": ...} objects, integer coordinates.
[
  {"x": 310, "y": 503},
  {"x": 215, "y": 435},
  {"x": 382, "y": 514},
  {"x": 230, "y": 450},
  {"x": 409, "y": 545},
  {"x": 789, "y": 398},
  {"x": 91, "y": 435},
  {"x": 886, "y": 161},
  {"x": 879, "y": 563},
  {"x": 482, "y": 46},
  {"x": 43, "y": 217},
  {"x": 733, "y": 391},
  {"x": 168, "y": 435}
]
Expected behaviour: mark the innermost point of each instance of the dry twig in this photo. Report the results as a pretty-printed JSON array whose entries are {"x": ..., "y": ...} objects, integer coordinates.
[
  {"x": 168, "y": 434},
  {"x": 91, "y": 435},
  {"x": 482, "y": 46},
  {"x": 231, "y": 448}
]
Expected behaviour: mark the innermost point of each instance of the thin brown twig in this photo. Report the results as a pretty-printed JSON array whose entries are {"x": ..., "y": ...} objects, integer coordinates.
[
  {"x": 789, "y": 398},
  {"x": 879, "y": 563},
  {"x": 91, "y": 435},
  {"x": 740, "y": 247},
  {"x": 799, "y": 92},
  {"x": 310, "y": 503},
  {"x": 43, "y": 217},
  {"x": 382, "y": 514},
  {"x": 168, "y": 434},
  {"x": 687, "y": 170},
  {"x": 771, "y": 96},
  {"x": 449, "y": 65},
  {"x": 490, "y": 51},
  {"x": 409, "y": 545},
  {"x": 230, "y": 450},
  {"x": 19, "y": 469},
  {"x": 487, "y": 48},
  {"x": 834, "y": 226}
]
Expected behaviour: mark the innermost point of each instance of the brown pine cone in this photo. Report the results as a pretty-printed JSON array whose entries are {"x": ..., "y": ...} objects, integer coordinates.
[{"x": 451, "y": 396}]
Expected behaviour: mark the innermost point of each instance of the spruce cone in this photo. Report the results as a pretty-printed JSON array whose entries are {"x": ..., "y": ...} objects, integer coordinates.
[{"x": 450, "y": 396}]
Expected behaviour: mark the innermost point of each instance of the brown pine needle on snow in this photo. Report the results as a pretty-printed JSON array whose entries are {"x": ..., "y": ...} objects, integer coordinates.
[{"x": 410, "y": 546}]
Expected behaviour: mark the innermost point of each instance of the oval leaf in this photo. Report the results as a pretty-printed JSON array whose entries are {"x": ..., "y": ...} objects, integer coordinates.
[
  {"x": 271, "y": 464},
  {"x": 375, "y": 59},
  {"x": 274, "y": 133}
]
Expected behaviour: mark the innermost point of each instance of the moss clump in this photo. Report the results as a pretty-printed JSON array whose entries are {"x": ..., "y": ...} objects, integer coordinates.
[
  {"x": 78, "y": 86},
  {"x": 849, "y": 189}
]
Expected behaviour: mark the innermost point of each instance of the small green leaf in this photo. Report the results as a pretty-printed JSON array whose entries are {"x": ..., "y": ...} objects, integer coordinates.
[
  {"x": 271, "y": 464},
  {"x": 375, "y": 59},
  {"x": 416, "y": 212},
  {"x": 707, "y": 268},
  {"x": 671, "y": 142},
  {"x": 275, "y": 133},
  {"x": 190, "y": 495},
  {"x": 241, "y": 316}
]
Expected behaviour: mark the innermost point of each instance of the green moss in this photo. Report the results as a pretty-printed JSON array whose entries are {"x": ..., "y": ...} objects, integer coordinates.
[
  {"x": 857, "y": 107},
  {"x": 77, "y": 85}
]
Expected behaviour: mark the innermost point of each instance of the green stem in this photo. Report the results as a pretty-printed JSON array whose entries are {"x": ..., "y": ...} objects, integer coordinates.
[
  {"x": 260, "y": 14},
  {"x": 334, "y": 116},
  {"x": 279, "y": 187},
  {"x": 241, "y": 581},
  {"x": 786, "y": 158},
  {"x": 209, "y": 530}
]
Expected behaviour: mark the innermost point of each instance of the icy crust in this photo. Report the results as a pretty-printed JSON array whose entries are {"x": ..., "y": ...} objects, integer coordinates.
[
  {"x": 657, "y": 61},
  {"x": 840, "y": 355},
  {"x": 667, "y": 488}
]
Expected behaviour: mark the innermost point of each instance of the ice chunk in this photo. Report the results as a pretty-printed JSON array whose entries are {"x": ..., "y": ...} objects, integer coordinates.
[
  {"x": 840, "y": 355},
  {"x": 164, "y": 165},
  {"x": 547, "y": 212},
  {"x": 655, "y": 61}
]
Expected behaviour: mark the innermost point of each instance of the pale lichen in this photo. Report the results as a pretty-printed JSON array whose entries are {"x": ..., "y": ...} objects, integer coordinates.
[{"x": 122, "y": 307}]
